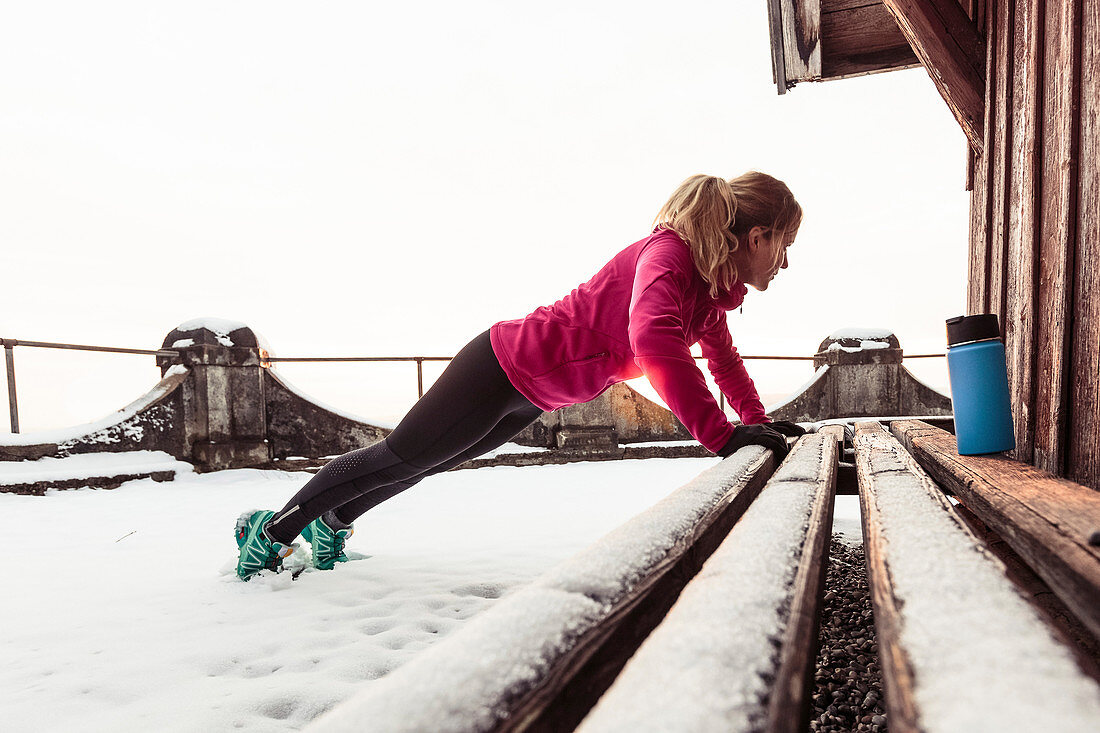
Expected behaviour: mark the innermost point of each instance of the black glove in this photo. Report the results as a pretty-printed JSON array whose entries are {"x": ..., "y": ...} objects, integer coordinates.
[
  {"x": 755, "y": 435},
  {"x": 790, "y": 429}
]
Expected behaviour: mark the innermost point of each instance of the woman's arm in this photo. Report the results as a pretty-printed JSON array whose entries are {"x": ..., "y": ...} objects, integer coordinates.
[
  {"x": 657, "y": 337},
  {"x": 730, "y": 374}
]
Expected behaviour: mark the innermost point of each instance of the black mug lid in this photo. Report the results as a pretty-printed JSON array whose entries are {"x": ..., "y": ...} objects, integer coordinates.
[{"x": 964, "y": 329}]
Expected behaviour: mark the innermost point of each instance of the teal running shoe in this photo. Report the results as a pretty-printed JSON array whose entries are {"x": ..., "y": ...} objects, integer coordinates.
[
  {"x": 258, "y": 551},
  {"x": 327, "y": 543}
]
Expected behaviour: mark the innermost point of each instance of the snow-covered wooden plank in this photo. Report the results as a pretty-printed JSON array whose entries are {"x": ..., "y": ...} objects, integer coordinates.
[
  {"x": 961, "y": 648},
  {"x": 538, "y": 659},
  {"x": 1047, "y": 520},
  {"x": 749, "y": 617}
]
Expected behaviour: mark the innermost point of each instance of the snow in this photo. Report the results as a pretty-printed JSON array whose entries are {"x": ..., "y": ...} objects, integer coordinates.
[
  {"x": 462, "y": 684},
  {"x": 708, "y": 665},
  {"x": 220, "y": 327},
  {"x": 511, "y": 449},
  {"x": 960, "y": 616},
  {"x": 87, "y": 465},
  {"x": 127, "y": 616},
  {"x": 182, "y": 343},
  {"x": 865, "y": 344},
  {"x": 388, "y": 424},
  {"x": 606, "y": 570},
  {"x": 60, "y": 436},
  {"x": 862, "y": 333}
]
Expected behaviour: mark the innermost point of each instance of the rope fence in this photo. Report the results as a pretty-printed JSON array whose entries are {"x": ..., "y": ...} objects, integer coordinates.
[{"x": 13, "y": 402}]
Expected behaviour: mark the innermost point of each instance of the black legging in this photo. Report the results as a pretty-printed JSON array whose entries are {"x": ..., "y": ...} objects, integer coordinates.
[{"x": 471, "y": 409}]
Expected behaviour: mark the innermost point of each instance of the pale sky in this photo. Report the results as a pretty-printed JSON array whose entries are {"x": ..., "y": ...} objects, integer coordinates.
[{"x": 359, "y": 178}]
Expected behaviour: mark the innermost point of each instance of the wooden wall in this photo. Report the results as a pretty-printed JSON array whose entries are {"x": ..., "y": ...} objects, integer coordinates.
[{"x": 1035, "y": 222}]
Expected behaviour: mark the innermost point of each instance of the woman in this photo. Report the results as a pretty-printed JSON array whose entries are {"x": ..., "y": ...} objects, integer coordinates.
[{"x": 638, "y": 315}]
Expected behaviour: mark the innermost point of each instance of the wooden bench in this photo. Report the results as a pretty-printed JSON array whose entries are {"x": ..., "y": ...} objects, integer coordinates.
[
  {"x": 1047, "y": 520},
  {"x": 711, "y": 665},
  {"x": 961, "y": 647},
  {"x": 540, "y": 658}
]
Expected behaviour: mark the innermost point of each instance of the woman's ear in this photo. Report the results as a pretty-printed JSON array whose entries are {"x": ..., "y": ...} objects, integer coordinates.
[{"x": 755, "y": 238}]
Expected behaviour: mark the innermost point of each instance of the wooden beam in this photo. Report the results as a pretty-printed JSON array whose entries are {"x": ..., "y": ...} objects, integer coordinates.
[
  {"x": 1045, "y": 519},
  {"x": 801, "y": 26},
  {"x": 775, "y": 25},
  {"x": 861, "y": 38},
  {"x": 947, "y": 42}
]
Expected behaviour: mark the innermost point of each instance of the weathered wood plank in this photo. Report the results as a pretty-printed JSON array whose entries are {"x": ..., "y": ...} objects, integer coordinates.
[
  {"x": 897, "y": 669},
  {"x": 862, "y": 39},
  {"x": 952, "y": 51},
  {"x": 790, "y": 706},
  {"x": 1023, "y": 227},
  {"x": 801, "y": 23},
  {"x": 948, "y": 615},
  {"x": 1002, "y": 24},
  {"x": 775, "y": 28},
  {"x": 1057, "y": 228},
  {"x": 1085, "y": 647},
  {"x": 1047, "y": 520},
  {"x": 1083, "y": 461},
  {"x": 719, "y": 635},
  {"x": 981, "y": 205}
]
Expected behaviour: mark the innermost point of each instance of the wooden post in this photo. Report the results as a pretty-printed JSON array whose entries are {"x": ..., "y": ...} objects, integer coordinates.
[
  {"x": 1083, "y": 449},
  {"x": 1057, "y": 235},
  {"x": 13, "y": 404}
]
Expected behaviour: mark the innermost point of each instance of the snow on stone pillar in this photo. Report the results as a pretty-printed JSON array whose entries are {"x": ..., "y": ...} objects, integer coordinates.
[{"x": 224, "y": 421}]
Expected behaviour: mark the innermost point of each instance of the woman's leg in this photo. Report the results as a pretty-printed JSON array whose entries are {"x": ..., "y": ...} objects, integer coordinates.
[
  {"x": 510, "y": 426},
  {"x": 466, "y": 403}
]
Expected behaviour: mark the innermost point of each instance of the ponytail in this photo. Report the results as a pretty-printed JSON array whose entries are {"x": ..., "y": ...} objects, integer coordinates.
[{"x": 711, "y": 214}]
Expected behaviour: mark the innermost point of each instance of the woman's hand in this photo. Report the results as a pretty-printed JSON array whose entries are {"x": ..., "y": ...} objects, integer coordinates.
[
  {"x": 756, "y": 435},
  {"x": 788, "y": 428}
]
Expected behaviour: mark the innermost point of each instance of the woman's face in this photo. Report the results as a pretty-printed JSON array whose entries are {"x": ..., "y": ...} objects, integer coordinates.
[{"x": 765, "y": 254}]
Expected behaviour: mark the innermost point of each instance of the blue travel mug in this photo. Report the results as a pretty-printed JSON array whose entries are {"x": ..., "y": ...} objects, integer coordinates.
[{"x": 979, "y": 385}]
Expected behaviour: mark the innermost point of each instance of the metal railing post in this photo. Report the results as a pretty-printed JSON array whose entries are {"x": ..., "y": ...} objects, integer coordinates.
[
  {"x": 419, "y": 377},
  {"x": 13, "y": 403}
]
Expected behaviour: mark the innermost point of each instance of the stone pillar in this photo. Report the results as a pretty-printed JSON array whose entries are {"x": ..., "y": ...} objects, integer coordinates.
[
  {"x": 860, "y": 374},
  {"x": 224, "y": 421},
  {"x": 865, "y": 371}
]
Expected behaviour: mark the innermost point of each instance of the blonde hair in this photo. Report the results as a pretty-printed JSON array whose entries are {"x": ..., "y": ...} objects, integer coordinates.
[{"x": 712, "y": 214}]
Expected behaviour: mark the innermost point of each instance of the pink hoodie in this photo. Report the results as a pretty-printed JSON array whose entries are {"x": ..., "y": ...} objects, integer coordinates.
[{"x": 638, "y": 315}]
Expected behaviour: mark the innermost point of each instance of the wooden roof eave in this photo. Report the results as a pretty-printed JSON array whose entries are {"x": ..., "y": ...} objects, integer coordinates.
[{"x": 819, "y": 40}]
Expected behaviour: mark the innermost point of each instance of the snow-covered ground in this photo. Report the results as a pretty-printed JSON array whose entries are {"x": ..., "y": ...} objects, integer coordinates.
[{"x": 122, "y": 612}]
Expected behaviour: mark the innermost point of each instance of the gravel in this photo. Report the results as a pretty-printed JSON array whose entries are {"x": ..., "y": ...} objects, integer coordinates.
[{"x": 848, "y": 681}]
